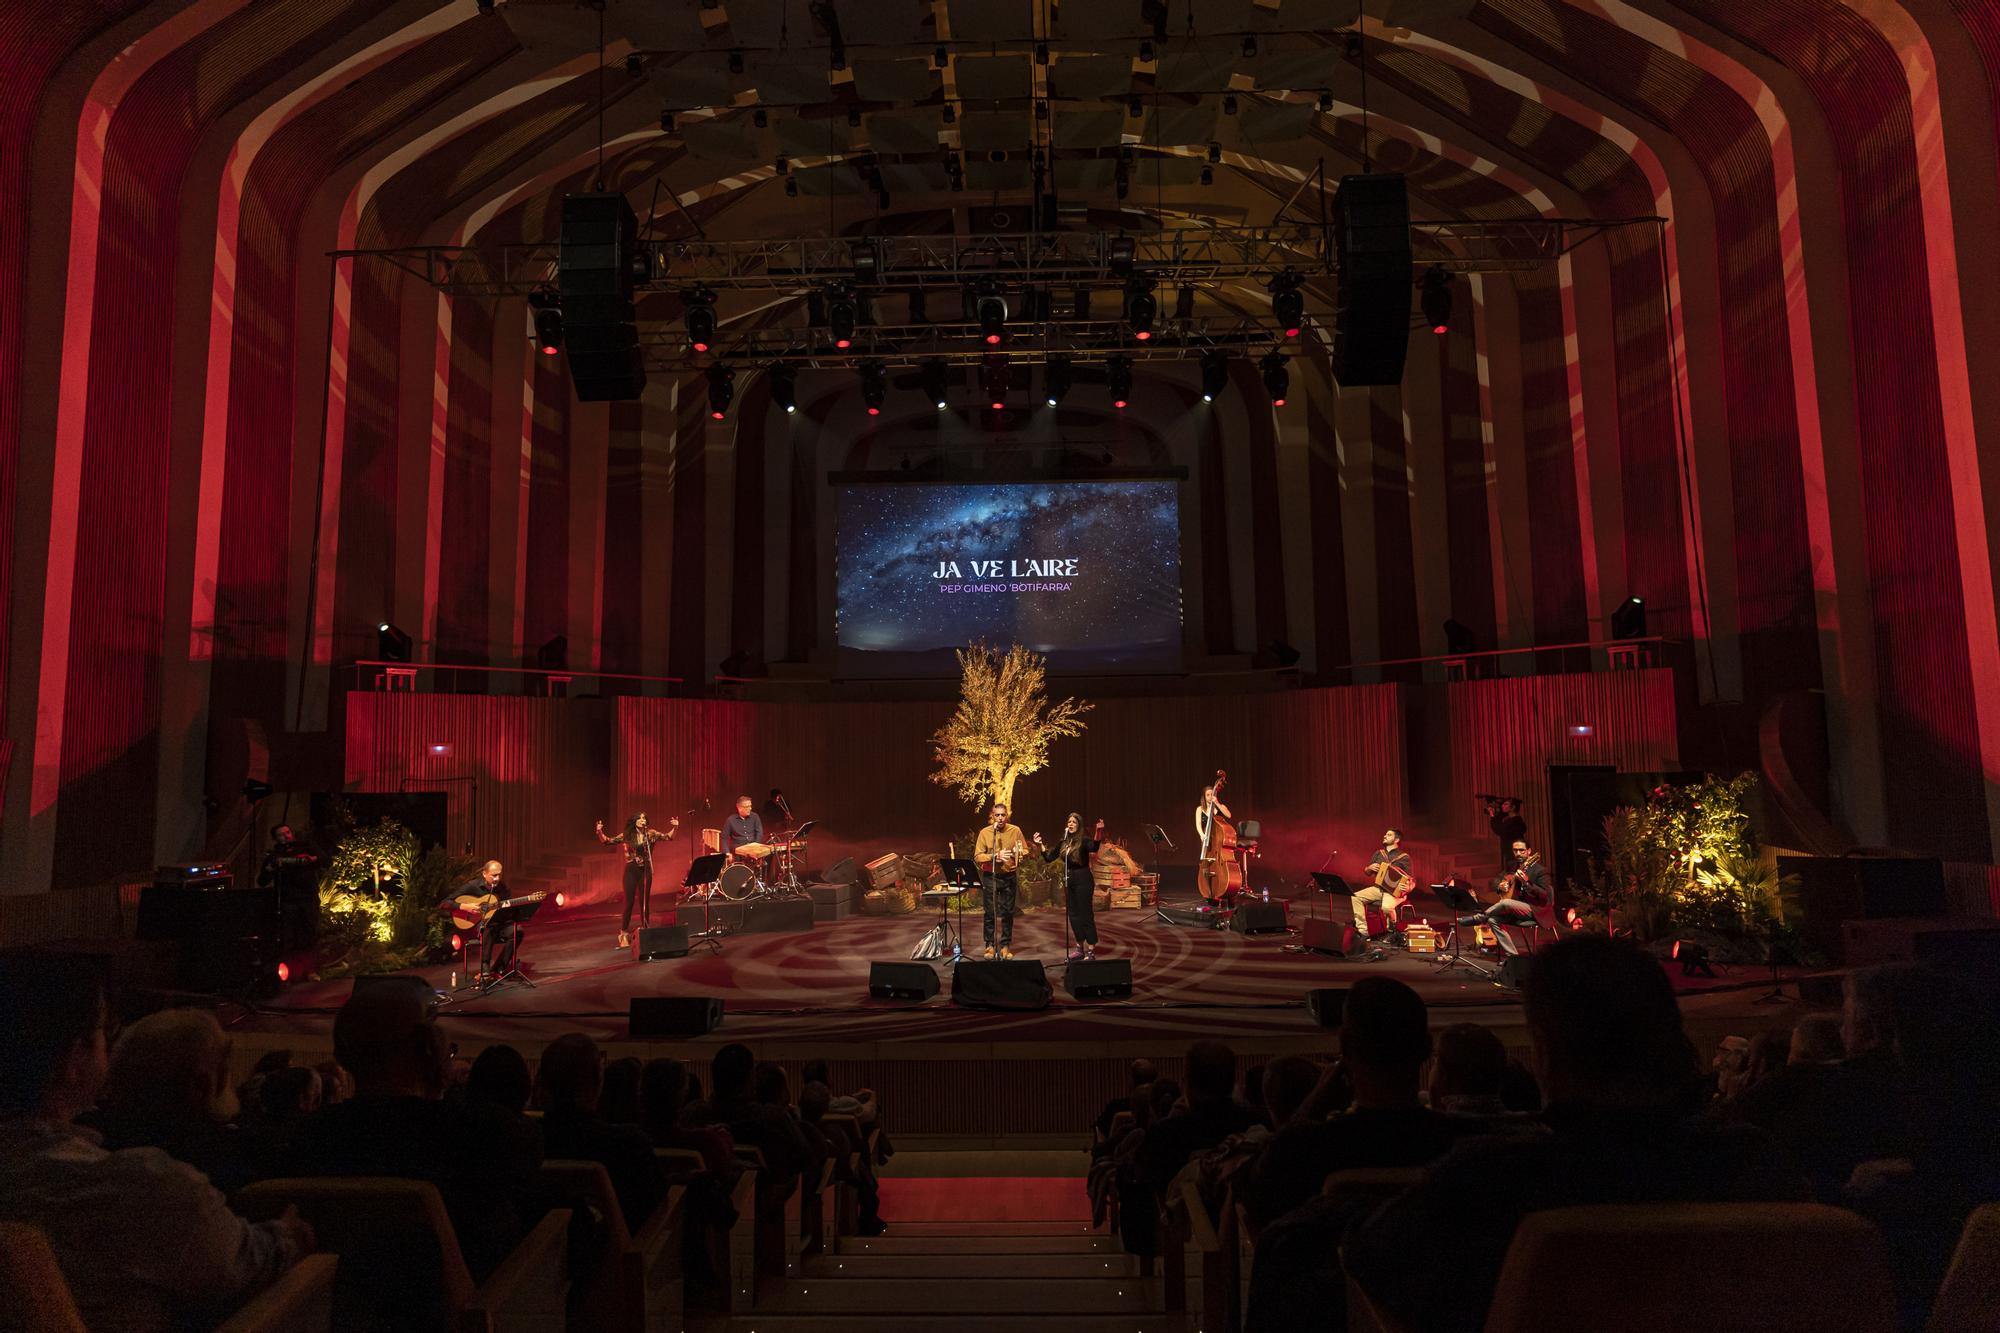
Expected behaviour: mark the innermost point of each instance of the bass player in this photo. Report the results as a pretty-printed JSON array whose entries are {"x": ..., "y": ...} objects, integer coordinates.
[{"x": 1393, "y": 884}]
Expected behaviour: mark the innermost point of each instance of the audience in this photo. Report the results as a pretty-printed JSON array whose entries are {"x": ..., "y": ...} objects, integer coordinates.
[
  {"x": 1142, "y": 1076},
  {"x": 395, "y": 1125},
  {"x": 336, "y": 1085},
  {"x": 1620, "y": 1079},
  {"x": 769, "y": 1127},
  {"x": 1469, "y": 1073},
  {"x": 663, "y": 1094},
  {"x": 499, "y": 1079},
  {"x": 815, "y": 1103},
  {"x": 1211, "y": 1115},
  {"x": 1288, "y": 1081},
  {"x": 289, "y": 1096},
  {"x": 1816, "y": 1040},
  {"x": 570, "y": 1086},
  {"x": 619, "y": 1102},
  {"x": 168, "y": 1088},
  {"x": 145, "y": 1242}
]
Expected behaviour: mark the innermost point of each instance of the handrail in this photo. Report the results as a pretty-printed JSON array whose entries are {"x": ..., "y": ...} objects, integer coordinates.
[
  {"x": 1653, "y": 640},
  {"x": 359, "y": 663}
]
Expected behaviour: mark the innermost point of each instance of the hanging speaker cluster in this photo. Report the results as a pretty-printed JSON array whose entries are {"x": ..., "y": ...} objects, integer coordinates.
[
  {"x": 1372, "y": 279},
  {"x": 598, "y": 265}
]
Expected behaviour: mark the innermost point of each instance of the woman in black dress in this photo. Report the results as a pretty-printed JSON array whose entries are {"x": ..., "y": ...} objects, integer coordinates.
[{"x": 1075, "y": 851}]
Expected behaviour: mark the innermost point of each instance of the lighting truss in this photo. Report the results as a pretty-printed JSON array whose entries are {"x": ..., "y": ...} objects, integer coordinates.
[{"x": 911, "y": 345}]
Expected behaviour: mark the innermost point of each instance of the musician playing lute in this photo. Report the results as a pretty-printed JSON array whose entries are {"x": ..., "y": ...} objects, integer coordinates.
[{"x": 476, "y": 904}]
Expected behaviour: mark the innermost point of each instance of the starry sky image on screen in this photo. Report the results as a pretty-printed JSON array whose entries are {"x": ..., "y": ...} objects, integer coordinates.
[{"x": 1088, "y": 573}]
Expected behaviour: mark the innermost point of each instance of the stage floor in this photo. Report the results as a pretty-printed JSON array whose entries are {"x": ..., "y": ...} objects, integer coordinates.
[{"x": 805, "y": 994}]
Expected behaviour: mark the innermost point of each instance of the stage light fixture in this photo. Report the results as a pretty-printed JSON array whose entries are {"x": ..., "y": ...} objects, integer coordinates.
[
  {"x": 1081, "y": 308},
  {"x": 989, "y": 308},
  {"x": 842, "y": 314},
  {"x": 1184, "y": 303},
  {"x": 791, "y": 187},
  {"x": 666, "y": 122},
  {"x": 391, "y": 644},
  {"x": 1277, "y": 379},
  {"x": 1146, "y": 53},
  {"x": 939, "y": 57},
  {"x": 1057, "y": 376},
  {"x": 1288, "y": 303},
  {"x": 721, "y": 391},
  {"x": 865, "y": 258},
  {"x": 1041, "y": 53},
  {"x": 735, "y": 62},
  {"x": 635, "y": 66},
  {"x": 874, "y": 386},
  {"x": 1249, "y": 48},
  {"x": 783, "y": 165},
  {"x": 854, "y": 118},
  {"x": 1693, "y": 959},
  {"x": 256, "y": 789},
  {"x": 995, "y": 378},
  {"x": 698, "y": 314},
  {"x": 1136, "y": 105},
  {"x": 547, "y": 309},
  {"x": 785, "y": 386},
  {"x": 1629, "y": 620},
  {"x": 1118, "y": 378},
  {"x": 1121, "y": 180},
  {"x": 1153, "y": 13},
  {"x": 1215, "y": 152},
  {"x": 1325, "y": 103},
  {"x": 937, "y": 379},
  {"x": 1214, "y": 374},
  {"x": 1436, "y": 299},
  {"x": 1229, "y": 105},
  {"x": 761, "y": 118},
  {"x": 1141, "y": 308},
  {"x": 1459, "y": 639},
  {"x": 486, "y": 6},
  {"x": 1208, "y": 175},
  {"x": 950, "y": 113}
]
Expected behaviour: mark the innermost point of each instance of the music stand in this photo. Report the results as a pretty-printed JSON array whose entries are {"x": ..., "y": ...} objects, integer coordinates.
[
  {"x": 1330, "y": 885},
  {"x": 702, "y": 872},
  {"x": 961, "y": 873},
  {"x": 514, "y": 913},
  {"x": 1461, "y": 903}
]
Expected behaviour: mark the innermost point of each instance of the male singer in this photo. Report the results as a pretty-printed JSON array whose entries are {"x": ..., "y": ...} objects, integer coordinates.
[{"x": 997, "y": 852}]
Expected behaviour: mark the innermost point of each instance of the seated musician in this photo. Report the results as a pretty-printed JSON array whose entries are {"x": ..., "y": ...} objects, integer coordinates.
[
  {"x": 743, "y": 826},
  {"x": 1390, "y": 869},
  {"x": 1522, "y": 890},
  {"x": 502, "y": 942}
]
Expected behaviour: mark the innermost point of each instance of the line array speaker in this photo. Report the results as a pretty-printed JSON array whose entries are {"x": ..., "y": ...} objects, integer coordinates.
[
  {"x": 1099, "y": 979},
  {"x": 596, "y": 267},
  {"x": 1372, "y": 279}
]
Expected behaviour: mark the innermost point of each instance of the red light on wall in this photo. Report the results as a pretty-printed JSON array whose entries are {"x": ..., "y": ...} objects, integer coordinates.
[
  {"x": 874, "y": 411},
  {"x": 1581, "y": 729},
  {"x": 992, "y": 340},
  {"x": 1440, "y": 329},
  {"x": 1277, "y": 402},
  {"x": 548, "y": 350},
  {"x": 1676, "y": 949},
  {"x": 457, "y": 943},
  {"x": 701, "y": 347},
  {"x": 284, "y": 972},
  {"x": 999, "y": 406},
  {"x": 561, "y": 898},
  {"x": 439, "y": 747},
  {"x": 716, "y": 415}
]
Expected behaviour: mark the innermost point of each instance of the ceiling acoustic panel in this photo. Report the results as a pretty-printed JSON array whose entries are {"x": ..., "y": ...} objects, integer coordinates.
[
  {"x": 822, "y": 181},
  {"x": 984, "y": 131},
  {"x": 991, "y": 20},
  {"x": 1081, "y": 77},
  {"x": 894, "y": 80},
  {"x": 904, "y": 131},
  {"x": 691, "y": 82},
  {"x": 1194, "y": 72},
  {"x": 868, "y": 22},
  {"x": 1090, "y": 129},
  {"x": 1273, "y": 122},
  {"x": 1311, "y": 69},
  {"x": 1152, "y": 172},
  {"x": 991, "y": 78},
  {"x": 1085, "y": 173},
  {"x": 812, "y": 136},
  {"x": 789, "y": 80},
  {"x": 913, "y": 177},
  {"x": 727, "y": 139},
  {"x": 1171, "y": 124},
  {"x": 1320, "y": 16},
  {"x": 1009, "y": 175}
]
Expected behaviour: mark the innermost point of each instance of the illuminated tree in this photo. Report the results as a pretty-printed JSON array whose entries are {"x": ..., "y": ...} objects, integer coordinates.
[{"x": 1003, "y": 726}]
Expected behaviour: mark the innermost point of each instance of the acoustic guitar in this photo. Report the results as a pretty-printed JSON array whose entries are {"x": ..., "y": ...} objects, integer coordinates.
[{"x": 469, "y": 910}]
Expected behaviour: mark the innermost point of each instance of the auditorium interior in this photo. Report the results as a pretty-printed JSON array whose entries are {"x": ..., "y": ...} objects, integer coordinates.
[{"x": 1124, "y": 667}]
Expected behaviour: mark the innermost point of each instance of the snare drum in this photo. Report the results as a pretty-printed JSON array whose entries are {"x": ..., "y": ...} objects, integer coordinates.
[{"x": 737, "y": 882}]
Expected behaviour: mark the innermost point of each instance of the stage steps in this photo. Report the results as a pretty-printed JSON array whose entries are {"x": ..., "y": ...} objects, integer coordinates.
[{"x": 970, "y": 1275}]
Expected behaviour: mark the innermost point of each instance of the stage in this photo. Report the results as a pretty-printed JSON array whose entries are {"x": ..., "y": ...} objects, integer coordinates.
[{"x": 803, "y": 995}]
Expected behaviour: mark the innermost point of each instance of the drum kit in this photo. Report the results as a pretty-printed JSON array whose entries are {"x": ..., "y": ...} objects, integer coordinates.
[{"x": 760, "y": 871}]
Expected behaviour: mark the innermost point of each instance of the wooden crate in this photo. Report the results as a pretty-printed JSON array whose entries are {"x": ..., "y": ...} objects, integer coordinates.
[
  {"x": 1420, "y": 938},
  {"x": 1127, "y": 898}
]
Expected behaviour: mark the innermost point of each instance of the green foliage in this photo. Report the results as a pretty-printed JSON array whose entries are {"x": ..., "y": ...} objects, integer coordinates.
[
  {"x": 1687, "y": 860},
  {"x": 376, "y": 896}
]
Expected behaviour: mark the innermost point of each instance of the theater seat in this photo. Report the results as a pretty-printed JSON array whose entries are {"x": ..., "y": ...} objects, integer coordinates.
[
  {"x": 1969, "y": 1300},
  {"x": 401, "y": 1264},
  {"x": 299, "y": 1302},
  {"x": 1718, "y": 1267}
]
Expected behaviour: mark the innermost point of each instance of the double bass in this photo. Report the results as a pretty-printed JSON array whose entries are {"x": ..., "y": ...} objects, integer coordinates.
[{"x": 1220, "y": 872}]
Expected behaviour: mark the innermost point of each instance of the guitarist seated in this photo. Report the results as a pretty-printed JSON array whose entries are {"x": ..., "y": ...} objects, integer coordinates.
[
  {"x": 475, "y": 906},
  {"x": 1394, "y": 881},
  {"x": 1521, "y": 891}
]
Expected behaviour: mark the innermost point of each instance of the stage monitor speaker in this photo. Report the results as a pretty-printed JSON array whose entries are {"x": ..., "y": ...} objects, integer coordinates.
[
  {"x": 598, "y": 263},
  {"x": 901, "y": 981},
  {"x": 673, "y": 1015},
  {"x": 1514, "y": 971},
  {"x": 1372, "y": 279},
  {"x": 1323, "y": 934},
  {"x": 661, "y": 942},
  {"x": 1099, "y": 979},
  {"x": 1837, "y": 889},
  {"x": 841, "y": 872},
  {"x": 1324, "y": 1005},
  {"x": 1017, "y": 983},
  {"x": 1257, "y": 917}
]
